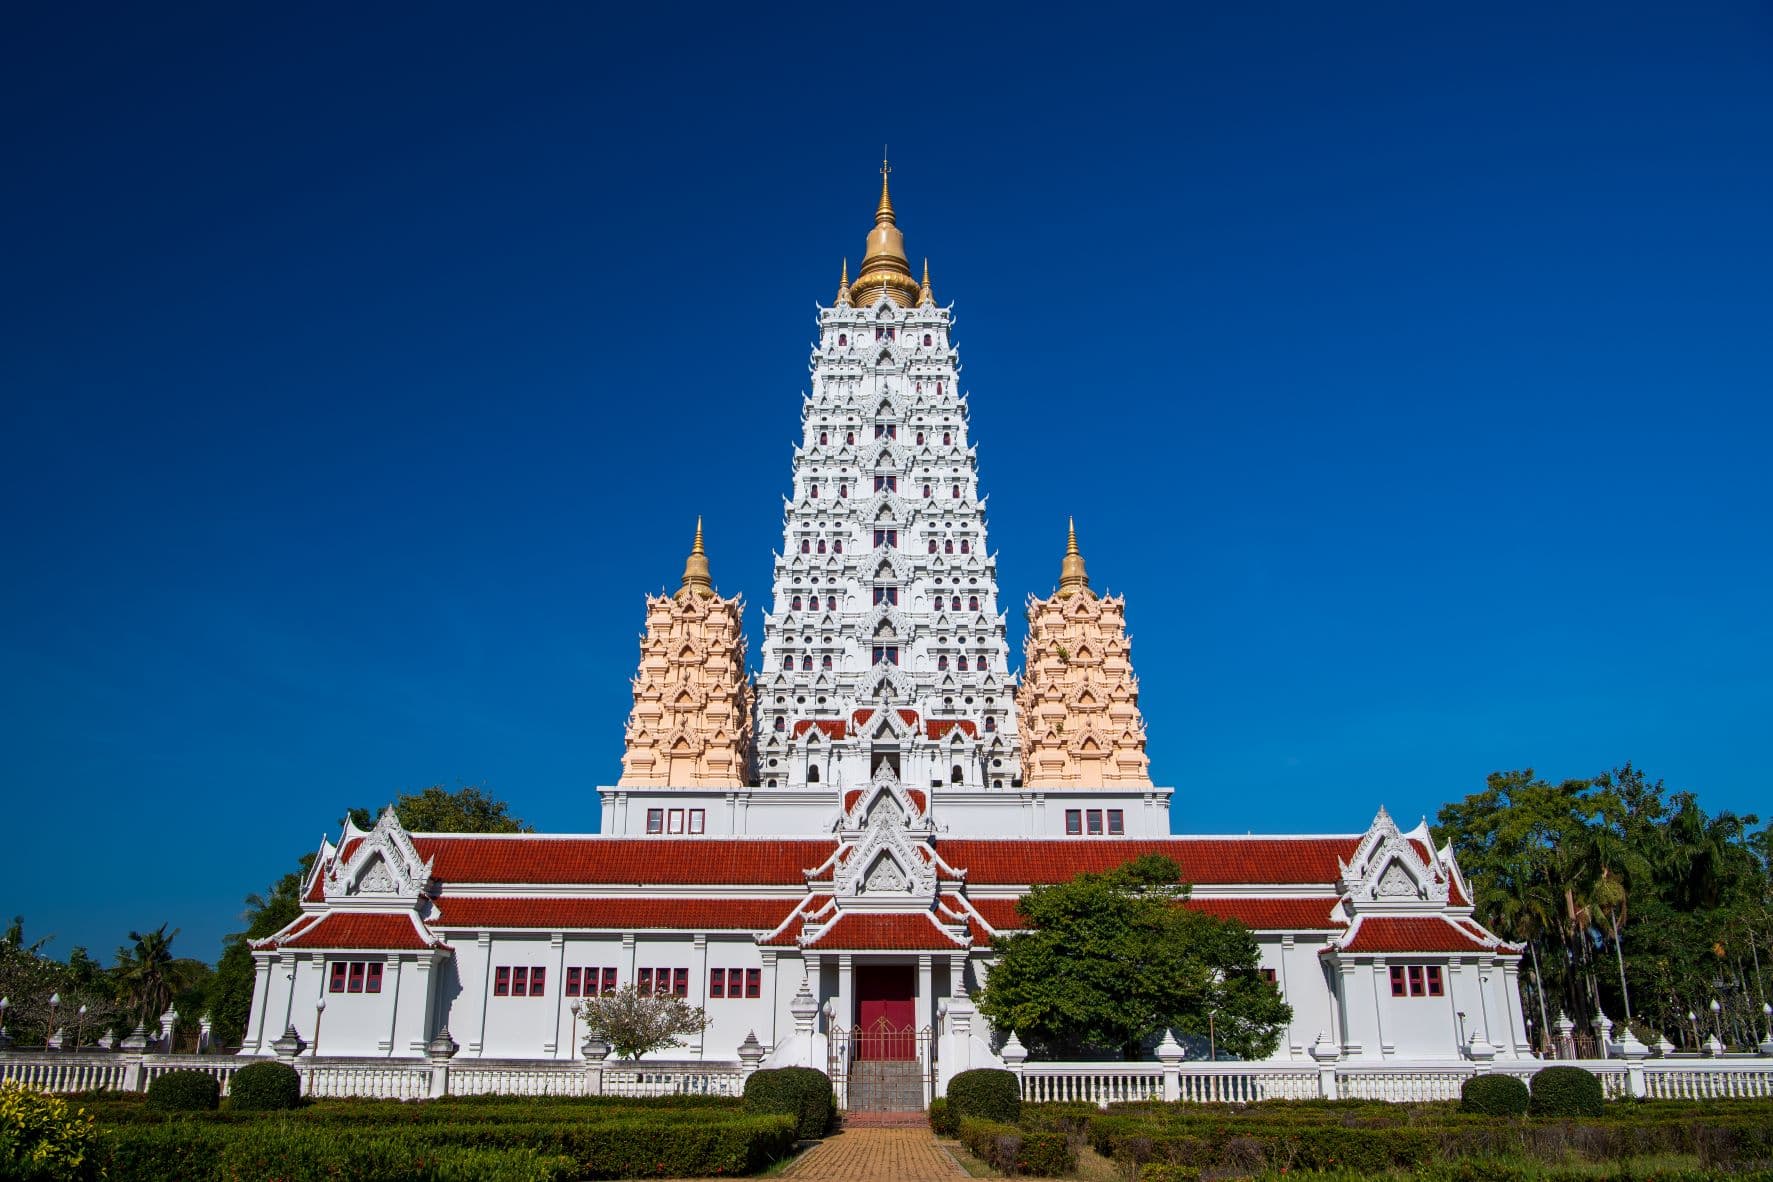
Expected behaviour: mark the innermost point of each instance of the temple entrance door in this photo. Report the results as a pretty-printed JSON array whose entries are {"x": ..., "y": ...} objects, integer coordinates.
[{"x": 886, "y": 1011}]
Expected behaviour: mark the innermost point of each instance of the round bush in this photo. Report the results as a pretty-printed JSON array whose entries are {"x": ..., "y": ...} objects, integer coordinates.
[
  {"x": 941, "y": 1120},
  {"x": 801, "y": 1092},
  {"x": 985, "y": 1093},
  {"x": 1493, "y": 1095},
  {"x": 45, "y": 1139},
  {"x": 1566, "y": 1091},
  {"x": 184, "y": 1091},
  {"x": 265, "y": 1087}
]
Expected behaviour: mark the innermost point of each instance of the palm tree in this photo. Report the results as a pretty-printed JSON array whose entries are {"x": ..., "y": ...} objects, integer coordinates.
[{"x": 146, "y": 976}]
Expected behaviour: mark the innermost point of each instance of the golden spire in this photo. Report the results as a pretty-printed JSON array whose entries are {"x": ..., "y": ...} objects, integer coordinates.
[
  {"x": 1072, "y": 577},
  {"x": 885, "y": 269},
  {"x": 695, "y": 569},
  {"x": 843, "y": 284},
  {"x": 924, "y": 296}
]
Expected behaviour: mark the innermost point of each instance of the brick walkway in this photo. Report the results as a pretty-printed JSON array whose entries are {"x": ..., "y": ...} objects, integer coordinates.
[{"x": 876, "y": 1155}]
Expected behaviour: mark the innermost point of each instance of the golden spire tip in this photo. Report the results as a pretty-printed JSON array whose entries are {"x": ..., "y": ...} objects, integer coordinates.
[
  {"x": 696, "y": 579},
  {"x": 1072, "y": 576}
]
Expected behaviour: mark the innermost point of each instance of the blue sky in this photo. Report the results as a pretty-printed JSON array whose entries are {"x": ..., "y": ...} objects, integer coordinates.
[{"x": 1405, "y": 365}]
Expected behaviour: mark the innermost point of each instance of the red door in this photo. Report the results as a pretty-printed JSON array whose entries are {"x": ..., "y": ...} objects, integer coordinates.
[{"x": 886, "y": 1011}]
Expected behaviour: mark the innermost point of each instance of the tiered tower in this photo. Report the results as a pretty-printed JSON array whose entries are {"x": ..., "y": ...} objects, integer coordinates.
[
  {"x": 884, "y": 645},
  {"x": 1079, "y": 700},
  {"x": 691, "y": 722}
]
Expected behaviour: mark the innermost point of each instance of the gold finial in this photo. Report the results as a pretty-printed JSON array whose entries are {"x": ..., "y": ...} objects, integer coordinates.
[
  {"x": 1072, "y": 577},
  {"x": 843, "y": 284},
  {"x": 924, "y": 296},
  {"x": 885, "y": 270},
  {"x": 696, "y": 579},
  {"x": 884, "y": 211}
]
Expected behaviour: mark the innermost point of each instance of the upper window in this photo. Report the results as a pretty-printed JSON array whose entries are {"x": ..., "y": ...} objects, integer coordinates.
[
  {"x": 1094, "y": 817},
  {"x": 889, "y": 653},
  {"x": 1117, "y": 823},
  {"x": 1074, "y": 822},
  {"x": 655, "y": 820},
  {"x": 355, "y": 976},
  {"x": 928, "y": 339},
  {"x": 1416, "y": 980}
]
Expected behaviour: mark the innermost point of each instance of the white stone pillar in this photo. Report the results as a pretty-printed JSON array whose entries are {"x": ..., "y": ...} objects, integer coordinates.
[
  {"x": 391, "y": 994},
  {"x": 698, "y": 995},
  {"x": 846, "y": 991},
  {"x": 554, "y": 1048},
  {"x": 483, "y": 944},
  {"x": 254, "y": 1042},
  {"x": 768, "y": 955}
]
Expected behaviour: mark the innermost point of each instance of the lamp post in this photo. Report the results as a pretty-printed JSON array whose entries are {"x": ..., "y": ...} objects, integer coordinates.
[
  {"x": 55, "y": 1001},
  {"x": 80, "y": 1028},
  {"x": 1717, "y": 1019},
  {"x": 5, "y": 1040},
  {"x": 314, "y": 1066},
  {"x": 578, "y": 1007},
  {"x": 1693, "y": 1021}
]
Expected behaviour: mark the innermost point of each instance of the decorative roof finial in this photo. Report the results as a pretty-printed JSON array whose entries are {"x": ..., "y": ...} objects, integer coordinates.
[
  {"x": 924, "y": 295},
  {"x": 843, "y": 284},
  {"x": 1072, "y": 577},
  {"x": 884, "y": 211},
  {"x": 885, "y": 271},
  {"x": 696, "y": 579}
]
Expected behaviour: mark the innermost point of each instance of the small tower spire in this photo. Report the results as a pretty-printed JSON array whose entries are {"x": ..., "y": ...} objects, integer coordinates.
[
  {"x": 884, "y": 211},
  {"x": 843, "y": 284},
  {"x": 885, "y": 270},
  {"x": 1072, "y": 576},
  {"x": 696, "y": 579},
  {"x": 924, "y": 295}
]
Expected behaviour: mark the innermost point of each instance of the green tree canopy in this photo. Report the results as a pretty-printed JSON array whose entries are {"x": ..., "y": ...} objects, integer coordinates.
[
  {"x": 469, "y": 809},
  {"x": 1110, "y": 959}
]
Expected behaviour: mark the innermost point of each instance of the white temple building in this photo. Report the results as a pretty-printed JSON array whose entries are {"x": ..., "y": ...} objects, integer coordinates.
[{"x": 854, "y": 820}]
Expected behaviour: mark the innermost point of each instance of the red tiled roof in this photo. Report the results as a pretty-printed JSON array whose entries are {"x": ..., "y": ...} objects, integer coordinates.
[
  {"x": 999, "y": 913},
  {"x": 1275, "y": 915},
  {"x": 920, "y": 798},
  {"x": 937, "y": 727},
  {"x": 359, "y": 930},
  {"x": 621, "y": 914},
  {"x": 711, "y": 861},
  {"x": 909, "y": 717},
  {"x": 1402, "y": 933},
  {"x": 892, "y": 932},
  {"x": 1214, "y": 860},
  {"x": 862, "y": 716},
  {"x": 834, "y": 728}
]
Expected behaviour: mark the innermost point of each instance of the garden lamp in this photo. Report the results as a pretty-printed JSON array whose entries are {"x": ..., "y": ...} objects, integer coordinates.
[
  {"x": 1717, "y": 1019},
  {"x": 80, "y": 1029},
  {"x": 55, "y": 1000}
]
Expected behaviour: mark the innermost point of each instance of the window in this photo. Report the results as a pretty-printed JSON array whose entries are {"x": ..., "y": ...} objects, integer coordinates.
[
  {"x": 948, "y": 546},
  {"x": 821, "y": 545},
  {"x": 806, "y": 663},
  {"x": 655, "y": 820},
  {"x": 1073, "y": 822},
  {"x": 972, "y": 603},
  {"x": 609, "y": 980},
  {"x": 885, "y": 431},
  {"x": 1416, "y": 980},
  {"x": 794, "y": 604},
  {"x": 886, "y": 595},
  {"x": 355, "y": 976},
  {"x": 1094, "y": 817},
  {"x": 663, "y": 982},
  {"x": 676, "y": 825},
  {"x": 886, "y": 537},
  {"x": 932, "y": 540},
  {"x": 815, "y": 492},
  {"x": 518, "y": 981},
  {"x": 962, "y": 663},
  {"x": 644, "y": 986},
  {"x": 956, "y": 493},
  {"x": 753, "y": 982},
  {"x": 698, "y": 820},
  {"x": 837, "y": 546},
  {"x": 573, "y": 981},
  {"x": 920, "y": 436},
  {"x": 843, "y": 490},
  {"x": 831, "y": 603},
  {"x": 886, "y": 484},
  {"x": 849, "y": 436},
  {"x": 679, "y": 982},
  {"x": 502, "y": 982},
  {"x": 716, "y": 983},
  {"x": 888, "y": 653},
  {"x": 806, "y": 546},
  {"x": 536, "y": 979},
  {"x": 928, "y": 339},
  {"x": 947, "y": 437},
  {"x": 1117, "y": 821},
  {"x": 824, "y": 438},
  {"x": 990, "y": 725},
  {"x": 1268, "y": 975},
  {"x": 825, "y": 661},
  {"x": 964, "y": 546},
  {"x": 955, "y": 606},
  {"x": 928, "y": 492},
  {"x": 843, "y": 338},
  {"x": 942, "y": 662},
  {"x": 788, "y": 662},
  {"x": 781, "y": 725}
]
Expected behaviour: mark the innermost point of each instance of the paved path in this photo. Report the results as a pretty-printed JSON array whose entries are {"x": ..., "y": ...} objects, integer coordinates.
[{"x": 876, "y": 1155}]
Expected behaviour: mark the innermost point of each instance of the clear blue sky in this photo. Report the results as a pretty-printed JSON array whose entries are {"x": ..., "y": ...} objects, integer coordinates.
[{"x": 1407, "y": 366}]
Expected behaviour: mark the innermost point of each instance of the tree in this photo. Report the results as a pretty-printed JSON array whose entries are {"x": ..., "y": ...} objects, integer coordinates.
[
  {"x": 633, "y": 1023},
  {"x": 148, "y": 976},
  {"x": 470, "y": 809},
  {"x": 1110, "y": 959}
]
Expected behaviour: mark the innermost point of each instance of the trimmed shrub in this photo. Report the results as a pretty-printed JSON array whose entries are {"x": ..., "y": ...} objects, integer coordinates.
[
  {"x": 184, "y": 1091},
  {"x": 942, "y": 1122},
  {"x": 986, "y": 1093},
  {"x": 1010, "y": 1150},
  {"x": 1494, "y": 1095},
  {"x": 43, "y": 1139},
  {"x": 1159, "y": 1172},
  {"x": 803, "y": 1093},
  {"x": 264, "y": 1087},
  {"x": 1565, "y": 1092}
]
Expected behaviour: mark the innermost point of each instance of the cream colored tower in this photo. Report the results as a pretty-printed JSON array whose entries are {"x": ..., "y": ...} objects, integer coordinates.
[
  {"x": 691, "y": 722},
  {"x": 1079, "y": 700}
]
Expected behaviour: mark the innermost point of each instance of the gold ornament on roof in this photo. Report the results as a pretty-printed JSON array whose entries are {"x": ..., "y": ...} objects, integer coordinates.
[
  {"x": 1072, "y": 576},
  {"x": 885, "y": 269},
  {"x": 843, "y": 285},
  {"x": 696, "y": 579},
  {"x": 924, "y": 296}
]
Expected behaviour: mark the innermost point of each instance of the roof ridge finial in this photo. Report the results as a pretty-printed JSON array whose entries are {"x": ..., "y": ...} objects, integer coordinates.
[
  {"x": 843, "y": 283},
  {"x": 884, "y": 211},
  {"x": 1072, "y": 576},
  {"x": 924, "y": 295},
  {"x": 696, "y": 579}
]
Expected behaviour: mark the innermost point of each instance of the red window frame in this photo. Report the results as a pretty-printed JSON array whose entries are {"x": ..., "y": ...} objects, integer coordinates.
[
  {"x": 538, "y": 982},
  {"x": 1093, "y": 820},
  {"x": 1435, "y": 985},
  {"x": 1074, "y": 822},
  {"x": 502, "y": 982},
  {"x": 1117, "y": 823},
  {"x": 373, "y": 977},
  {"x": 338, "y": 977},
  {"x": 609, "y": 981},
  {"x": 753, "y": 982},
  {"x": 645, "y": 985},
  {"x": 698, "y": 818},
  {"x": 1417, "y": 989},
  {"x": 680, "y": 983},
  {"x": 716, "y": 984},
  {"x": 572, "y": 981},
  {"x": 356, "y": 985},
  {"x": 655, "y": 818},
  {"x": 1398, "y": 986},
  {"x": 520, "y": 981}
]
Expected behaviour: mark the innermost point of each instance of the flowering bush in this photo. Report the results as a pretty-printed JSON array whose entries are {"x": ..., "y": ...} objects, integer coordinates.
[{"x": 42, "y": 1139}]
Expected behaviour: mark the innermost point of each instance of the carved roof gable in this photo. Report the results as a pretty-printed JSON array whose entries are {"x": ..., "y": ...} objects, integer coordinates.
[
  {"x": 1389, "y": 867},
  {"x": 384, "y": 866}
]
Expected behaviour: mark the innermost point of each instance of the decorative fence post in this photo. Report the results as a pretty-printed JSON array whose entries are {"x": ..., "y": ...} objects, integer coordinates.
[
  {"x": 1713, "y": 1048},
  {"x": 167, "y": 1021},
  {"x": 596, "y": 1052},
  {"x": 440, "y": 1051},
  {"x": 1480, "y": 1051},
  {"x": 750, "y": 1055},
  {"x": 1766, "y": 1020},
  {"x": 1170, "y": 1054},
  {"x": 1634, "y": 1053},
  {"x": 135, "y": 1049},
  {"x": 1326, "y": 1053},
  {"x": 1603, "y": 1029},
  {"x": 1014, "y": 1054},
  {"x": 1566, "y": 1036}
]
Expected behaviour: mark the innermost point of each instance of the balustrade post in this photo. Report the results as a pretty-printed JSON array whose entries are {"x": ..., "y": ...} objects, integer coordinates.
[
  {"x": 1326, "y": 1053},
  {"x": 1170, "y": 1053},
  {"x": 135, "y": 1049},
  {"x": 439, "y": 1051},
  {"x": 750, "y": 1055},
  {"x": 1566, "y": 1036},
  {"x": 596, "y": 1054},
  {"x": 1634, "y": 1053},
  {"x": 1014, "y": 1055}
]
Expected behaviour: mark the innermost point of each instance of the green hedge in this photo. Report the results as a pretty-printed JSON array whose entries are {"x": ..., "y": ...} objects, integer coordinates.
[
  {"x": 1566, "y": 1091},
  {"x": 986, "y": 1093},
  {"x": 184, "y": 1091},
  {"x": 1493, "y": 1095},
  {"x": 1158, "y": 1172},
  {"x": 264, "y": 1087},
  {"x": 942, "y": 1122},
  {"x": 803, "y": 1093},
  {"x": 1010, "y": 1150},
  {"x": 214, "y": 1151}
]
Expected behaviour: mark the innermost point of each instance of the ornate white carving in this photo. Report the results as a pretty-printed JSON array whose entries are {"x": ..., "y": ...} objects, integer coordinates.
[
  {"x": 884, "y": 877},
  {"x": 1396, "y": 881},
  {"x": 384, "y": 863},
  {"x": 1389, "y": 866},
  {"x": 376, "y": 880}
]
